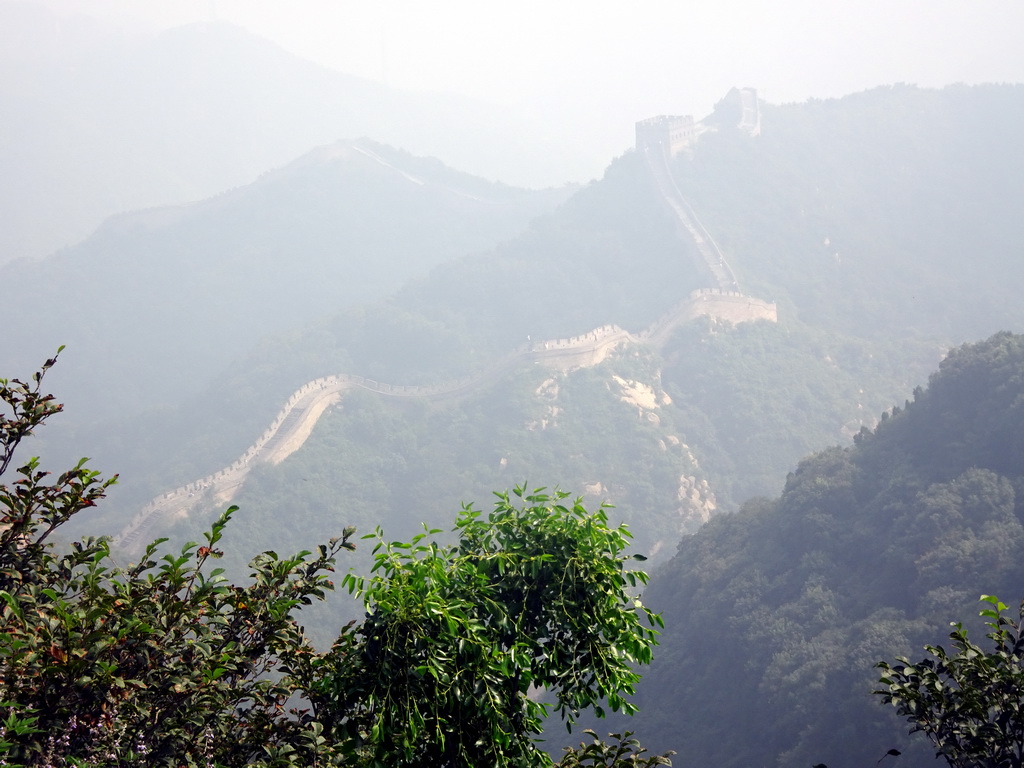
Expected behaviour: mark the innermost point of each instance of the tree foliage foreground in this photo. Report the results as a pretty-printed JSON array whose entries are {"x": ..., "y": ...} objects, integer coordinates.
[
  {"x": 531, "y": 598},
  {"x": 968, "y": 701},
  {"x": 165, "y": 663}
]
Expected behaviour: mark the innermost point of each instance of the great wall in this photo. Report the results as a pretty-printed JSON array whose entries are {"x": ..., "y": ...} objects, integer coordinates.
[{"x": 300, "y": 413}]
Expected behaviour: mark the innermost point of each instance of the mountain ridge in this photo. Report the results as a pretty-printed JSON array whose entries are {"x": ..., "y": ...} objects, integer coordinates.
[
  {"x": 143, "y": 121},
  {"x": 307, "y": 239}
]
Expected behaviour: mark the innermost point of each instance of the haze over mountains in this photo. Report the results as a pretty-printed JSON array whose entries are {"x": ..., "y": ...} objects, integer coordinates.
[
  {"x": 884, "y": 226},
  {"x": 197, "y": 285},
  {"x": 97, "y": 121}
]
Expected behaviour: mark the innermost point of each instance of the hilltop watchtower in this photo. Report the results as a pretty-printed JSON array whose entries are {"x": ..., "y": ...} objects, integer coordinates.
[
  {"x": 750, "y": 117},
  {"x": 669, "y": 133}
]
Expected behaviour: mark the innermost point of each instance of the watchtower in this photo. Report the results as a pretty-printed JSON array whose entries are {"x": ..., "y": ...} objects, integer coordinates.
[
  {"x": 750, "y": 112},
  {"x": 670, "y": 133}
]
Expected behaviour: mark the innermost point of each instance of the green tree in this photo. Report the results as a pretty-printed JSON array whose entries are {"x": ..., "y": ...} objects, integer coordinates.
[
  {"x": 460, "y": 642},
  {"x": 969, "y": 702}
]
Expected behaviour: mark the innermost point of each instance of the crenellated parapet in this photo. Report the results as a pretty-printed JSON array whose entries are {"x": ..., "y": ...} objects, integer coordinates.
[
  {"x": 666, "y": 133},
  {"x": 733, "y": 306},
  {"x": 672, "y": 134}
]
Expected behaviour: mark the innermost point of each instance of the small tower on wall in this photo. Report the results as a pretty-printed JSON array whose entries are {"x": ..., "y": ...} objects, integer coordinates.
[
  {"x": 667, "y": 133},
  {"x": 738, "y": 110},
  {"x": 750, "y": 113}
]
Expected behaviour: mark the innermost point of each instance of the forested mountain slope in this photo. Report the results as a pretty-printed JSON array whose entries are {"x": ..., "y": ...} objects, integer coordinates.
[
  {"x": 892, "y": 212},
  {"x": 157, "y": 303},
  {"x": 776, "y": 614},
  {"x": 404, "y": 462}
]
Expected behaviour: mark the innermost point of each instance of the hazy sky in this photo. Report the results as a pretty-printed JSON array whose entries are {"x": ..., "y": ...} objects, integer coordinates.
[
  {"x": 599, "y": 59},
  {"x": 597, "y": 66}
]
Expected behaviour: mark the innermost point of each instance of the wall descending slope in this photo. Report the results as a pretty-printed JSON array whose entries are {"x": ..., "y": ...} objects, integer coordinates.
[
  {"x": 298, "y": 416},
  {"x": 713, "y": 260},
  {"x": 296, "y": 419}
]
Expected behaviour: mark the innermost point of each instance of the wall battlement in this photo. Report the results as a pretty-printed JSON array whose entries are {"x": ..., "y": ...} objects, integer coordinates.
[
  {"x": 674, "y": 133},
  {"x": 667, "y": 133},
  {"x": 733, "y": 306}
]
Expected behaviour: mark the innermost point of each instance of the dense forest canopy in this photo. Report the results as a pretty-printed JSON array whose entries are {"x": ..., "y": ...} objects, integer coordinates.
[{"x": 779, "y": 612}]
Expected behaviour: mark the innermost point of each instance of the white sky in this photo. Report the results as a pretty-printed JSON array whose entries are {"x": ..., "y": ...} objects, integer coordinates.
[
  {"x": 659, "y": 51},
  {"x": 604, "y": 62}
]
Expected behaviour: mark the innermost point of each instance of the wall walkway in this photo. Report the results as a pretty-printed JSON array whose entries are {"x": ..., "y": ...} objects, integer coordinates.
[
  {"x": 297, "y": 417},
  {"x": 712, "y": 259}
]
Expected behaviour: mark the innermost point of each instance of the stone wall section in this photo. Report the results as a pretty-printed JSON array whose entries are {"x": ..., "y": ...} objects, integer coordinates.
[
  {"x": 300, "y": 412},
  {"x": 295, "y": 421}
]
